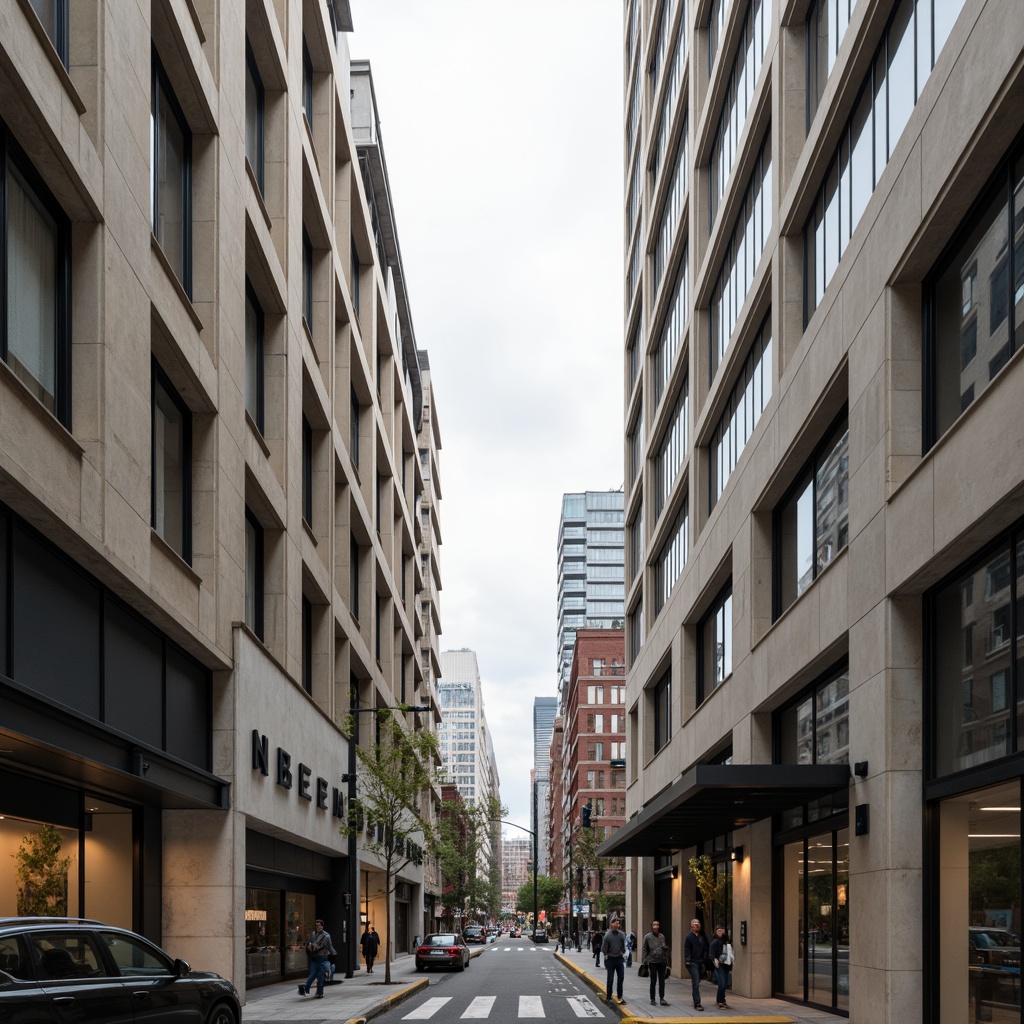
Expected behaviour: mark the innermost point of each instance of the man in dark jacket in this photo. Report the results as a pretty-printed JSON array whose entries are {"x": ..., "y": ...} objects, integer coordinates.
[
  {"x": 596, "y": 938},
  {"x": 613, "y": 945},
  {"x": 695, "y": 955},
  {"x": 320, "y": 951},
  {"x": 370, "y": 945}
]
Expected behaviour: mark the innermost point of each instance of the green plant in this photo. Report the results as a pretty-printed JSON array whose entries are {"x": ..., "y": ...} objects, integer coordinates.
[
  {"x": 710, "y": 885},
  {"x": 43, "y": 874}
]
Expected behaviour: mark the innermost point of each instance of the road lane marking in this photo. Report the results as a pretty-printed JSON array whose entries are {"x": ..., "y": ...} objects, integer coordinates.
[
  {"x": 583, "y": 1007},
  {"x": 531, "y": 1006},
  {"x": 428, "y": 1009},
  {"x": 479, "y": 1008}
]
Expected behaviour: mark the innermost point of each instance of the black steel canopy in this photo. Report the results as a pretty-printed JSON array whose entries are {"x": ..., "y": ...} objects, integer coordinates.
[{"x": 711, "y": 799}]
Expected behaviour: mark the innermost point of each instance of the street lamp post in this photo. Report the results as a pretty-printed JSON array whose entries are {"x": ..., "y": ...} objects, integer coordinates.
[{"x": 353, "y": 867}]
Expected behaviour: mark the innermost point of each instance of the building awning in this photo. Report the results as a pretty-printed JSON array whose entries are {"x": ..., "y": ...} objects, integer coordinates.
[{"x": 712, "y": 799}]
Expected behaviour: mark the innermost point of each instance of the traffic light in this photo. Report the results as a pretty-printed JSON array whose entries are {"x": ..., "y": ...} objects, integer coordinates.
[{"x": 585, "y": 815}]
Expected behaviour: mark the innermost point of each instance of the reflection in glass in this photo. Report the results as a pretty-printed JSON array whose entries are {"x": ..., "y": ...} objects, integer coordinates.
[
  {"x": 972, "y": 650},
  {"x": 979, "y": 868},
  {"x": 262, "y": 933}
]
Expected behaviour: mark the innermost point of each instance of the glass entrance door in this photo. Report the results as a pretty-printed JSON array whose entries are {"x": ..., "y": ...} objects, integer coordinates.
[{"x": 814, "y": 920}]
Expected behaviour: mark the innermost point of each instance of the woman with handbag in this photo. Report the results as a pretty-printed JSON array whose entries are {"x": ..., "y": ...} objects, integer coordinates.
[{"x": 721, "y": 956}]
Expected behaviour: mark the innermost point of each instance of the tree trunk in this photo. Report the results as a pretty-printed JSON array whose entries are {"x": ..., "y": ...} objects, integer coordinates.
[{"x": 387, "y": 923}]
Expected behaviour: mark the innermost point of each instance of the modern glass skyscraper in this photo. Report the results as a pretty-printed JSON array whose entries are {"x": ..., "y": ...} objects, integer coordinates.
[
  {"x": 544, "y": 711},
  {"x": 590, "y": 569}
]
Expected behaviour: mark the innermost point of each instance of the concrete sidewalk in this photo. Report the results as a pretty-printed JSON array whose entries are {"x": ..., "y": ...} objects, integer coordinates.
[
  {"x": 363, "y": 996},
  {"x": 637, "y": 1006}
]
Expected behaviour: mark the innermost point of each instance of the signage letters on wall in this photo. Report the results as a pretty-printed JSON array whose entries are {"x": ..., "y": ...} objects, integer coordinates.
[{"x": 261, "y": 764}]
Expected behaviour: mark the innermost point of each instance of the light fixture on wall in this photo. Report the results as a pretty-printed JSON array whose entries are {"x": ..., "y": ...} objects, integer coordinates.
[{"x": 737, "y": 854}]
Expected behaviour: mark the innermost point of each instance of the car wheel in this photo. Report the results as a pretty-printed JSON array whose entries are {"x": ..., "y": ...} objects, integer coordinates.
[
  {"x": 462, "y": 965},
  {"x": 420, "y": 968},
  {"x": 222, "y": 1013}
]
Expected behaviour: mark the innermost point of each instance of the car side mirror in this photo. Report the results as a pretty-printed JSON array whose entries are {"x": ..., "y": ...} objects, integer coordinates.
[{"x": 182, "y": 968}]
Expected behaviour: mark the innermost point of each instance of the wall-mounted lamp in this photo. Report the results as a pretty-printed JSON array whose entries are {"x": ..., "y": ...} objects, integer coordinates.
[
  {"x": 860, "y": 769},
  {"x": 363, "y": 918},
  {"x": 737, "y": 854}
]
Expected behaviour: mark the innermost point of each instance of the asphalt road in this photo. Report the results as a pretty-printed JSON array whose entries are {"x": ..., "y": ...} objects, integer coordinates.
[{"x": 514, "y": 980}]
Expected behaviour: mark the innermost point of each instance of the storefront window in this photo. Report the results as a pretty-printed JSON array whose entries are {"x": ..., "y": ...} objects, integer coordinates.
[
  {"x": 262, "y": 933},
  {"x": 40, "y": 864},
  {"x": 277, "y": 927},
  {"x": 980, "y": 895}
]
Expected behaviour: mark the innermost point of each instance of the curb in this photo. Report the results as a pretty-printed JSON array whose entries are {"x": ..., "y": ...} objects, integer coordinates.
[{"x": 390, "y": 1002}]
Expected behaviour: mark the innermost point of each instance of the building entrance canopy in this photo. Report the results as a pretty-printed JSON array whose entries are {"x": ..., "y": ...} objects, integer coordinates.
[{"x": 712, "y": 799}]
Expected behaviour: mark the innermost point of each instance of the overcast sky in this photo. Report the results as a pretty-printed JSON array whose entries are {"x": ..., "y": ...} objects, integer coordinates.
[{"x": 501, "y": 124}]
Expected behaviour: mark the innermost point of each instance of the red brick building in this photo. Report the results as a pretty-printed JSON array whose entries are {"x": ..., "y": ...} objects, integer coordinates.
[{"x": 588, "y": 770}]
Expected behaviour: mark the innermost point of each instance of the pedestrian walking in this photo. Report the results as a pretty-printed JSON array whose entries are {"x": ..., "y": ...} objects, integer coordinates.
[
  {"x": 721, "y": 956},
  {"x": 370, "y": 945},
  {"x": 630, "y": 946},
  {"x": 596, "y": 938},
  {"x": 320, "y": 950},
  {"x": 613, "y": 945},
  {"x": 695, "y": 956},
  {"x": 654, "y": 953}
]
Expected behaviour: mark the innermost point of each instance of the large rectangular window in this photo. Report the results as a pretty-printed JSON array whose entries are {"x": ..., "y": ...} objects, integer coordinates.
[
  {"x": 673, "y": 449},
  {"x": 672, "y": 557},
  {"x": 714, "y": 645},
  {"x": 671, "y": 214},
  {"x": 912, "y": 42},
  {"x": 827, "y": 22},
  {"x": 307, "y": 645},
  {"x": 667, "y": 352},
  {"x": 812, "y": 524},
  {"x": 254, "y": 115},
  {"x": 171, "y": 465},
  {"x": 54, "y": 16},
  {"x": 254, "y": 357},
  {"x": 35, "y": 285},
  {"x": 253, "y": 574},
  {"x": 171, "y": 187},
  {"x": 969, "y": 298},
  {"x": 750, "y": 51},
  {"x": 670, "y": 93},
  {"x": 307, "y": 280},
  {"x": 307, "y": 472},
  {"x": 977, "y": 628},
  {"x": 741, "y": 259},
  {"x": 661, "y": 700},
  {"x": 747, "y": 400}
]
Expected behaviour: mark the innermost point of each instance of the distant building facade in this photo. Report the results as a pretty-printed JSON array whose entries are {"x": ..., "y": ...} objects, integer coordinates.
[
  {"x": 544, "y": 712},
  {"x": 590, "y": 569}
]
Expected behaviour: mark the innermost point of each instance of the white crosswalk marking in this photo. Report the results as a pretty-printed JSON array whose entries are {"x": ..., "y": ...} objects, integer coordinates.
[
  {"x": 583, "y": 1007},
  {"x": 479, "y": 1008},
  {"x": 531, "y": 1006},
  {"x": 428, "y": 1009}
]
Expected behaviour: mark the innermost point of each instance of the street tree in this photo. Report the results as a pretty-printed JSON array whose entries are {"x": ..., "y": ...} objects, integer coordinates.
[
  {"x": 464, "y": 835},
  {"x": 395, "y": 773},
  {"x": 549, "y": 894}
]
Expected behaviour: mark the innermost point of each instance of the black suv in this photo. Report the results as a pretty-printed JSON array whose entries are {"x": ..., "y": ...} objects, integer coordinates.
[{"x": 56, "y": 970}]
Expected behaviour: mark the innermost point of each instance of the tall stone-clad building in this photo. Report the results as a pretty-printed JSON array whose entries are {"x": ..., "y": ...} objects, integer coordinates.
[
  {"x": 211, "y": 535},
  {"x": 824, "y": 275}
]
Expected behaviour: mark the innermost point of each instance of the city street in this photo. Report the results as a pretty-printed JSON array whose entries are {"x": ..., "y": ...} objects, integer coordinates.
[{"x": 509, "y": 980}]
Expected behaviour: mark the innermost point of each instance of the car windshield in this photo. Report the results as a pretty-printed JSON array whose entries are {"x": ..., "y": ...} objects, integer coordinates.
[
  {"x": 988, "y": 939},
  {"x": 439, "y": 940}
]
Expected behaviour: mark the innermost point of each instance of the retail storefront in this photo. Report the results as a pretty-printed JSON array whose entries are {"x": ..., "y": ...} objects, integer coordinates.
[{"x": 104, "y": 723}]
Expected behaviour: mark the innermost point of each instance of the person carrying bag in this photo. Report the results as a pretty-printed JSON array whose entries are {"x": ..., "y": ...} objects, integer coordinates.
[{"x": 722, "y": 957}]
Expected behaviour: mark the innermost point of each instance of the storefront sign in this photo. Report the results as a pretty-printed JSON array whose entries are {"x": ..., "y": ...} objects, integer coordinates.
[{"x": 286, "y": 776}]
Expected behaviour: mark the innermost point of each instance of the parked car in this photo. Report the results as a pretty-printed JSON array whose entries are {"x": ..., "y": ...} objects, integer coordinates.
[
  {"x": 993, "y": 947},
  {"x": 71, "y": 969},
  {"x": 540, "y": 935},
  {"x": 474, "y": 933},
  {"x": 442, "y": 949},
  {"x": 514, "y": 934}
]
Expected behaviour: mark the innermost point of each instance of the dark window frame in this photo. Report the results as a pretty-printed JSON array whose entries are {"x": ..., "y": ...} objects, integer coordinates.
[
  {"x": 163, "y": 92},
  {"x": 807, "y": 473},
  {"x": 252, "y": 69},
  {"x": 307, "y": 473},
  {"x": 13, "y": 156},
  {"x": 307, "y": 280},
  {"x": 1000, "y": 183},
  {"x": 307, "y": 645},
  {"x": 716, "y": 605},
  {"x": 661, "y": 703},
  {"x": 258, "y": 625},
  {"x": 307, "y": 84},
  {"x": 60, "y": 35},
  {"x": 159, "y": 378},
  {"x": 260, "y": 417}
]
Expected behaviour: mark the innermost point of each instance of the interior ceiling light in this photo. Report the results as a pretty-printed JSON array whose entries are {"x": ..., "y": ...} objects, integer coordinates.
[
  {"x": 999, "y": 809},
  {"x": 993, "y": 835}
]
